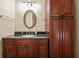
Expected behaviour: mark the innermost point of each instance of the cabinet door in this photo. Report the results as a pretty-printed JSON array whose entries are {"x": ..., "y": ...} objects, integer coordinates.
[
  {"x": 68, "y": 37},
  {"x": 58, "y": 7},
  {"x": 67, "y": 7},
  {"x": 43, "y": 48},
  {"x": 26, "y": 48},
  {"x": 55, "y": 37},
  {"x": 8, "y": 48},
  {"x": 54, "y": 7},
  {"x": 25, "y": 51},
  {"x": 9, "y": 52}
]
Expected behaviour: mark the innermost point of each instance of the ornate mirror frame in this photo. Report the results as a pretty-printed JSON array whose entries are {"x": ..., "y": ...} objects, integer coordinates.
[{"x": 34, "y": 19}]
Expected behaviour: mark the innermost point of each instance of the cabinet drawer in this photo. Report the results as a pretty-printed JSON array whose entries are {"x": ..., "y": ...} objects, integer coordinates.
[
  {"x": 25, "y": 41},
  {"x": 8, "y": 42}
]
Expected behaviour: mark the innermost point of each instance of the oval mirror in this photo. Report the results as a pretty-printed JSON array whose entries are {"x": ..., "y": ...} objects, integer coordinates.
[{"x": 29, "y": 19}]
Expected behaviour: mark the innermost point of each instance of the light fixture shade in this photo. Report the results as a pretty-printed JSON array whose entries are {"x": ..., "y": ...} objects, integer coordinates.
[{"x": 28, "y": 1}]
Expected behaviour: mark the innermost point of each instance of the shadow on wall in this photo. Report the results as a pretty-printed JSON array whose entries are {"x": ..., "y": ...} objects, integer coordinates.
[
  {"x": 0, "y": 48},
  {"x": 7, "y": 27},
  {"x": 76, "y": 27}
]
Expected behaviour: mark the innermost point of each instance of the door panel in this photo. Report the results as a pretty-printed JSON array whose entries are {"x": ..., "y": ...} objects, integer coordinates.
[
  {"x": 10, "y": 52},
  {"x": 54, "y": 7},
  {"x": 66, "y": 7},
  {"x": 58, "y": 7},
  {"x": 26, "y": 48},
  {"x": 43, "y": 46},
  {"x": 54, "y": 37},
  {"x": 25, "y": 51},
  {"x": 68, "y": 39},
  {"x": 61, "y": 39},
  {"x": 8, "y": 48}
]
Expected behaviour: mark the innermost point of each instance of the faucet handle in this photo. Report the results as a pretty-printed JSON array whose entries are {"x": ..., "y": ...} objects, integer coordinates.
[{"x": 35, "y": 31}]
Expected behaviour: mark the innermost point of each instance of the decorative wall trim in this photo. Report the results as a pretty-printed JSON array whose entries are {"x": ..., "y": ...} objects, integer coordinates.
[{"x": 7, "y": 17}]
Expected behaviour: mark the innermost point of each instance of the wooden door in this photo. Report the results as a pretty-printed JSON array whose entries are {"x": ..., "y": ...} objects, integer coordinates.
[
  {"x": 66, "y": 15},
  {"x": 58, "y": 7},
  {"x": 54, "y": 7},
  {"x": 26, "y": 48},
  {"x": 66, "y": 7},
  {"x": 67, "y": 41},
  {"x": 61, "y": 37},
  {"x": 61, "y": 28},
  {"x": 43, "y": 50},
  {"x": 8, "y": 49},
  {"x": 54, "y": 37},
  {"x": 26, "y": 51}
]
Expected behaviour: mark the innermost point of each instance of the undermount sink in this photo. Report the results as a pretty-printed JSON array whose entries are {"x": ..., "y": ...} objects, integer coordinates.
[{"x": 28, "y": 36}]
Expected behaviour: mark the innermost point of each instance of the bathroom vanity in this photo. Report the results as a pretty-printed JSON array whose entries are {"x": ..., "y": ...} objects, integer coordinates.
[
  {"x": 26, "y": 47},
  {"x": 54, "y": 17}
]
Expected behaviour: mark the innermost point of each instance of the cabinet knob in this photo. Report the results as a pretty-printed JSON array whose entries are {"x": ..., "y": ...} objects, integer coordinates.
[{"x": 62, "y": 16}]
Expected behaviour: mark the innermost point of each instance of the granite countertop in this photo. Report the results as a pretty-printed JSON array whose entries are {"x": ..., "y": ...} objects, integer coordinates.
[{"x": 26, "y": 36}]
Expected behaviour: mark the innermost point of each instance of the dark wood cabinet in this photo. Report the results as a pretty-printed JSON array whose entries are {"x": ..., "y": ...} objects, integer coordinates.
[
  {"x": 61, "y": 37},
  {"x": 25, "y": 48},
  {"x": 61, "y": 7},
  {"x": 68, "y": 37},
  {"x": 61, "y": 28}
]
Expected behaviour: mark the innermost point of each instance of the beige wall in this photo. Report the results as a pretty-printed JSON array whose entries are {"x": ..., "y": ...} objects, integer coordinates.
[
  {"x": 76, "y": 28},
  {"x": 39, "y": 10},
  {"x": 7, "y": 26}
]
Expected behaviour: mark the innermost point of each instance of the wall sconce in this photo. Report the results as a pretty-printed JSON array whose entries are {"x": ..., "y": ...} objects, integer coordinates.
[{"x": 29, "y": 5}]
